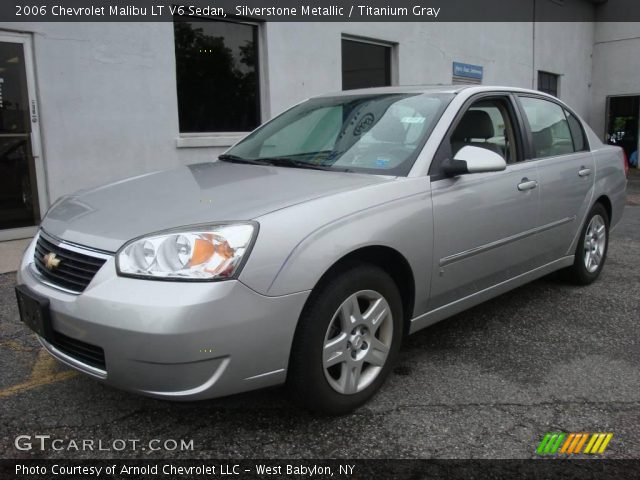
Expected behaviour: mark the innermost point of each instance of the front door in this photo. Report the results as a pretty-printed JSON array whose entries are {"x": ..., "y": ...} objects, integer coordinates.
[
  {"x": 21, "y": 172},
  {"x": 483, "y": 221}
]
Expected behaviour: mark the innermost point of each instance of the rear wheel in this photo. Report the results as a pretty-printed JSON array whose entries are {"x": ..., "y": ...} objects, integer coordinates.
[
  {"x": 591, "y": 251},
  {"x": 347, "y": 340}
]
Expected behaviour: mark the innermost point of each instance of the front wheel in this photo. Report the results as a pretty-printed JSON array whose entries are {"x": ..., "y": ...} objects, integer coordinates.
[
  {"x": 347, "y": 340},
  {"x": 591, "y": 251}
]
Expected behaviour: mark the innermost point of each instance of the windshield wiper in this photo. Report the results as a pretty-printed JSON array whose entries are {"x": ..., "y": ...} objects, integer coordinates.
[
  {"x": 325, "y": 153},
  {"x": 279, "y": 162},
  {"x": 293, "y": 163},
  {"x": 225, "y": 157}
]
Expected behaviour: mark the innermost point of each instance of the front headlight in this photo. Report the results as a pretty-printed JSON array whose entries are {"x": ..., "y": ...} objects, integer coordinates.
[{"x": 213, "y": 252}]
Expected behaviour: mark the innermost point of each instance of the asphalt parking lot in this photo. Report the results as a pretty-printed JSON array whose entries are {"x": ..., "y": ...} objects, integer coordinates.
[{"x": 488, "y": 383}]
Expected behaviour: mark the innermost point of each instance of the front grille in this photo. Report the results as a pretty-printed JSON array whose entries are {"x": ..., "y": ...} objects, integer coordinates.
[
  {"x": 84, "y": 352},
  {"x": 75, "y": 270}
]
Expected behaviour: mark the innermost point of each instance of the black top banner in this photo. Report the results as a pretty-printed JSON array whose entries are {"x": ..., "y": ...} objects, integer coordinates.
[{"x": 324, "y": 10}]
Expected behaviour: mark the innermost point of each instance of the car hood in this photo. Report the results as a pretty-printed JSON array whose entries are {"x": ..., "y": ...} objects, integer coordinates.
[{"x": 107, "y": 217}]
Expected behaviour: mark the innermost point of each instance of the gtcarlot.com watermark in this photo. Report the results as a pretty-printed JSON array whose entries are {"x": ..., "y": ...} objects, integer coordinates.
[{"x": 48, "y": 443}]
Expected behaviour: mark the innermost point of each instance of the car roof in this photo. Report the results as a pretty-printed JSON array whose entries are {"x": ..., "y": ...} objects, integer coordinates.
[{"x": 470, "y": 89}]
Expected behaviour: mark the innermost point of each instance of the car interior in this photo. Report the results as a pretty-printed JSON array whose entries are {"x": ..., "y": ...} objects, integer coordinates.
[
  {"x": 546, "y": 144},
  {"x": 486, "y": 125}
]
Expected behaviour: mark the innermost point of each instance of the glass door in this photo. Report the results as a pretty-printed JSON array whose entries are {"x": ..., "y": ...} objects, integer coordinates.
[
  {"x": 622, "y": 122},
  {"x": 21, "y": 195}
]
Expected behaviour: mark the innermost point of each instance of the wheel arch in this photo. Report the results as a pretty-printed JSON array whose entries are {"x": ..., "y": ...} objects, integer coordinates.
[
  {"x": 388, "y": 259},
  {"x": 606, "y": 203},
  {"x": 602, "y": 199}
]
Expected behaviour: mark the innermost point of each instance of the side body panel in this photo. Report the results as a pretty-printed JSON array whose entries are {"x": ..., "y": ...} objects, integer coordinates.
[{"x": 561, "y": 198}]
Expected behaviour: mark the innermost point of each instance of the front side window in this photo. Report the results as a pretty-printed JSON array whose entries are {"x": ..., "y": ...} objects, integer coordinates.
[
  {"x": 217, "y": 75},
  {"x": 380, "y": 134},
  {"x": 487, "y": 124},
  {"x": 550, "y": 130}
]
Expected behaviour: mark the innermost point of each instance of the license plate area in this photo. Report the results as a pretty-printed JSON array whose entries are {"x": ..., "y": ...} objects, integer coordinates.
[{"x": 34, "y": 311}]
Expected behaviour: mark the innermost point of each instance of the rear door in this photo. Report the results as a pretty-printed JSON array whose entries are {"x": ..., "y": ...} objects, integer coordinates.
[
  {"x": 566, "y": 172},
  {"x": 483, "y": 222}
]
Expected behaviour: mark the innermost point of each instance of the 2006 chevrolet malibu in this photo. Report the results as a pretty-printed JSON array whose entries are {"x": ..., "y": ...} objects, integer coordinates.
[{"x": 306, "y": 253}]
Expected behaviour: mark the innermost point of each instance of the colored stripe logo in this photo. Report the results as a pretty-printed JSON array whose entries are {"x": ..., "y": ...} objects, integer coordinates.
[{"x": 573, "y": 443}]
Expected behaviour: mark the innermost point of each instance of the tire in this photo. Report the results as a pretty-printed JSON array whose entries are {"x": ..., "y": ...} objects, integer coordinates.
[
  {"x": 329, "y": 370},
  {"x": 591, "y": 251}
]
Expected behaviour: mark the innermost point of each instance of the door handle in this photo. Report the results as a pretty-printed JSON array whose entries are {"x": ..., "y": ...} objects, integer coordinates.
[
  {"x": 584, "y": 172},
  {"x": 526, "y": 184}
]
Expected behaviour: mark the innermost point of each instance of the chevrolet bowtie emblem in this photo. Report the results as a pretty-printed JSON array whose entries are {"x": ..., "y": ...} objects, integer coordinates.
[{"x": 51, "y": 261}]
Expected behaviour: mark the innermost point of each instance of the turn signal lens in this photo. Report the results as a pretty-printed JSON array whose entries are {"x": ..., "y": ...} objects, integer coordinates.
[
  {"x": 203, "y": 250},
  {"x": 210, "y": 253}
]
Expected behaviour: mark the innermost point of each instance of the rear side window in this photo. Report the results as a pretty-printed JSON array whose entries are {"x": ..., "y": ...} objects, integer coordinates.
[
  {"x": 579, "y": 142},
  {"x": 550, "y": 129}
]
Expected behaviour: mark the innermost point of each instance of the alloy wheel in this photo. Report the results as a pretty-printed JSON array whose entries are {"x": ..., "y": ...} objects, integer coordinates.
[
  {"x": 595, "y": 241},
  {"x": 357, "y": 342}
]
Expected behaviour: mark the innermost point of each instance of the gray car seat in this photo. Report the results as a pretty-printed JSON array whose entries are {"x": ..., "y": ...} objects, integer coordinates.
[{"x": 474, "y": 129}]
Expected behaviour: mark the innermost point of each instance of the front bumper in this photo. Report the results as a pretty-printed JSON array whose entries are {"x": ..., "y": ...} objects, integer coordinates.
[{"x": 175, "y": 340}]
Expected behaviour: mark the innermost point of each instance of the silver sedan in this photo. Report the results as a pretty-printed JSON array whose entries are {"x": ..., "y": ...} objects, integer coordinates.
[{"x": 315, "y": 244}]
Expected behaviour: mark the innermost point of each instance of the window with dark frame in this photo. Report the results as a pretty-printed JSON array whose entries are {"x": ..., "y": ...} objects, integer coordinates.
[
  {"x": 548, "y": 83},
  {"x": 365, "y": 64},
  {"x": 217, "y": 75}
]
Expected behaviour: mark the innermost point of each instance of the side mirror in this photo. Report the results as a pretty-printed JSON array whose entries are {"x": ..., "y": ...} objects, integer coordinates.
[{"x": 471, "y": 159}]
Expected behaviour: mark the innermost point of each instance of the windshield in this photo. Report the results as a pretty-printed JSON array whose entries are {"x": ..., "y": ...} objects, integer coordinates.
[{"x": 381, "y": 134}]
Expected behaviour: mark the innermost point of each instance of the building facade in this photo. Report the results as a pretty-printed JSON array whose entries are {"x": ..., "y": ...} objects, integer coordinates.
[{"x": 83, "y": 104}]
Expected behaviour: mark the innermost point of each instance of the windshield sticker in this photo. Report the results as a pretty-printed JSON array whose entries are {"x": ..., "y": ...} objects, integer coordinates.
[{"x": 412, "y": 120}]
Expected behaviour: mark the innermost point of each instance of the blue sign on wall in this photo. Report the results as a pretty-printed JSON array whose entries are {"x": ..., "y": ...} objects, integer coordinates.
[{"x": 467, "y": 70}]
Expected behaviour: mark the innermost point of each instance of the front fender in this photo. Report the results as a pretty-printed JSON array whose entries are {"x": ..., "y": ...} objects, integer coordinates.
[{"x": 296, "y": 246}]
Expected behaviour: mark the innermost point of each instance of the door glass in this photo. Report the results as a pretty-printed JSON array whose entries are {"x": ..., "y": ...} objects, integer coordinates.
[
  {"x": 579, "y": 142},
  {"x": 549, "y": 127},
  {"x": 486, "y": 124},
  {"x": 18, "y": 191},
  {"x": 622, "y": 123}
]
